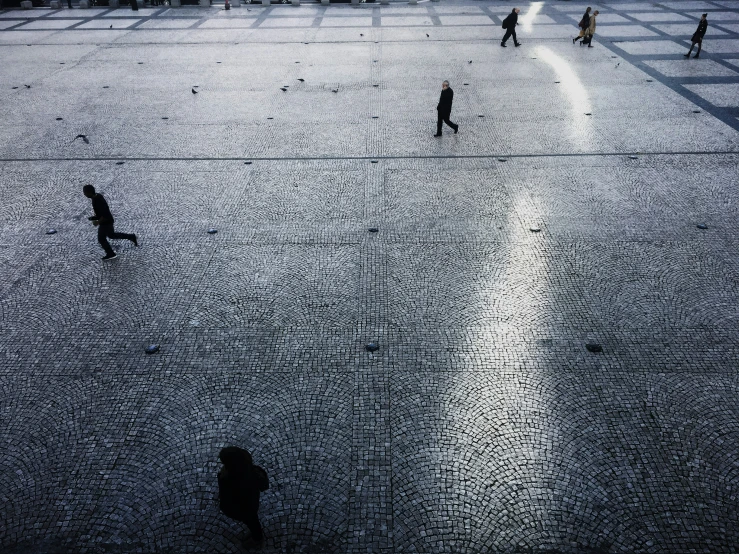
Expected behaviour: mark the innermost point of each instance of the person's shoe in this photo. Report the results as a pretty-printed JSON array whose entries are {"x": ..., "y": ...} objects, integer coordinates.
[
  {"x": 516, "y": 44},
  {"x": 695, "y": 56},
  {"x": 437, "y": 135},
  {"x": 573, "y": 40},
  {"x": 134, "y": 240},
  {"x": 110, "y": 256},
  {"x": 687, "y": 55},
  {"x": 590, "y": 45},
  {"x": 503, "y": 45},
  {"x": 456, "y": 129}
]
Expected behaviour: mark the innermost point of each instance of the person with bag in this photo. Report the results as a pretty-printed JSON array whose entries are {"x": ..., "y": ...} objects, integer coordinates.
[
  {"x": 509, "y": 24},
  {"x": 239, "y": 484},
  {"x": 590, "y": 31},
  {"x": 700, "y": 32},
  {"x": 584, "y": 24}
]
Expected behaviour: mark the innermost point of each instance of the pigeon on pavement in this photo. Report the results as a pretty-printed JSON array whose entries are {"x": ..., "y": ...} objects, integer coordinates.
[
  {"x": 194, "y": 91},
  {"x": 83, "y": 137}
]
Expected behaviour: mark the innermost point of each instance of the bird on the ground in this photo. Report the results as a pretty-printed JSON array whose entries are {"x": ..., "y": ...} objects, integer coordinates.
[
  {"x": 619, "y": 63},
  {"x": 27, "y": 86},
  {"x": 83, "y": 137},
  {"x": 301, "y": 80},
  {"x": 470, "y": 61},
  {"x": 283, "y": 89},
  {"x": 361, "y": 35},
  {"x": 337, "y": 90},
  {"x": 110, "y": 27},
  {"x": 428, "y": 35},
  {"x": 194, "y": 91}
]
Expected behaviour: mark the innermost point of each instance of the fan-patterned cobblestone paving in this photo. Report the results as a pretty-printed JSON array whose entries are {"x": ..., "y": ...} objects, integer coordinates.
[{"x": 565, "y": 213}]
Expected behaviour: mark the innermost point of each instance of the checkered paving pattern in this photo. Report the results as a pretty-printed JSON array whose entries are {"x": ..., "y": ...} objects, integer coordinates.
[{"x": 589, "y": 199}]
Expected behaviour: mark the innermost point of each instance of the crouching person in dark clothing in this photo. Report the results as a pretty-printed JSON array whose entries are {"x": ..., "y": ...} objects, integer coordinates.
[{"x": 239, "y": 485}]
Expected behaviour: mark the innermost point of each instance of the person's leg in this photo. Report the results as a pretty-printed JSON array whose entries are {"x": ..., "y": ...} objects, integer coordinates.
[
  {"x": 127, "y": 236},
  {"x": 515, "y": 40},
  {"x": 104, "y": 231},
  {"x": 452, "y": 125},
  {"x": 506, "y": 36},
  {"x": 700, "y": 44},
  {"x": 689, "y": 51},
  {"x": 255, "y": 528},
  {"x": 438, "y": 123}
]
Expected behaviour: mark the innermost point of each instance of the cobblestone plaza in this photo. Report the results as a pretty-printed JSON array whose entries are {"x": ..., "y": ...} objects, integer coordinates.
[{"x": 590, "y": 198}]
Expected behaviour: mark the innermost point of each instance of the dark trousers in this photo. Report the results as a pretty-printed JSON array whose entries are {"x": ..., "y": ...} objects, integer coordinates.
[
  {"x": 444, "y": 117},
  {"x": 508, "y": 34},
  {"x": 106, "y": 232},
  {"x": 251, "y": 518}
]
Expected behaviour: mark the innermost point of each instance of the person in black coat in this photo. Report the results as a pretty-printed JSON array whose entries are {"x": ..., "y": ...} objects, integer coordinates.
[
  {"x": 239, "y": 485},
  {"x": 444, "y": 109},
  {"x": 104, "y": 221},
  {"x": 700, "y": 32},
  {"x": 509, "y": 24},
  {"x": 584, "y": 24}
]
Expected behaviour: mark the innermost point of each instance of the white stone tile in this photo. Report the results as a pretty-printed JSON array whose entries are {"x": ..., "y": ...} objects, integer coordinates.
[
  {"x": 681, "y": 29},
  {"x": 240, "y": 23},
  {"x": 347, "y": 21},
  {"x": 106, "y": 23},
  {"x": 128, "y": 12},
  {"x": 691, "y": 68},
  {"x": 661, "y": 16},
  {"x": 612, "y": 18},
  {"x": 623, "y": 31},
  {"x": 287, "y": 22},
  {"x": 161, "y": 23},
  {"x": 402, "y": 21},
  {"x": 51, "y": 24},
  {"x": 466, "y": 20},
  {"x": 648, "y": 47},
  {"x": 723, "y": 95},
  {"x": 721, "y": 46}
]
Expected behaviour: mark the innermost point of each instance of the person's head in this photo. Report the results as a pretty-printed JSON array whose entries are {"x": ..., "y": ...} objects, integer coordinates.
[
  {"x": 516, "y": 10},
  {"x": 588, "y": 9},
  {"x": 235, "y": 458},
  {"x": 445, "y": 85},
  {"x": 88, "y": 190},
  {"x": 596, "y": 12},
  {"x": 705, "y": 15}
]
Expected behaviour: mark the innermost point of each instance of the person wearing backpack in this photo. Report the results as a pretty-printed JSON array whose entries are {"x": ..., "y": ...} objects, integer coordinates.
[
  {"x": 584, "y": 24},
  {"x": 509, "y": 24},
  {"x": 239, "y": 484}
]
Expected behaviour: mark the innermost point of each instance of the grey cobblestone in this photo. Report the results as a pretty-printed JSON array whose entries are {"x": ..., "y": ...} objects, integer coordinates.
[{"x": 481, "y": 423}]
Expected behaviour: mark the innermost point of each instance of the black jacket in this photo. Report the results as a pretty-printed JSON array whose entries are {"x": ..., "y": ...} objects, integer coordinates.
[
  {"x": 445, "y": 101},
  {"x": 102, "y": 211},
  {"x": 511, "y": 21},
  {"x": 702, "y": 27},
  {"x": 585, "y": 21},
  {"x": 238, "y": 490}
]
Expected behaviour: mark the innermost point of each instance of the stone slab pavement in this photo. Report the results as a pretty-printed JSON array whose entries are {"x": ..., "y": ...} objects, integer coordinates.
[{"x": 590, "y": 198}]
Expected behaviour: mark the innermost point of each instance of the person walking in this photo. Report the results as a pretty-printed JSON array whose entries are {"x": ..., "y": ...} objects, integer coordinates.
[
  {"x": 700, "y": 32},
  {"x": 239, "y": 484},
  {"x": 584, "y": 24},
  {"x": 590, "y": 31},
  {"x": 509, "y": 24},
  {"x": 444, "y": 109},
  {"x": 104, "y": 221}
]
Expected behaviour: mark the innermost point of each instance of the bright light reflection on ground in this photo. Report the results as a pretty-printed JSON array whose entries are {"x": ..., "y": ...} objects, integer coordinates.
[
  {"x": 528, "y": 19},
  {"x": 573, "y": 89}
]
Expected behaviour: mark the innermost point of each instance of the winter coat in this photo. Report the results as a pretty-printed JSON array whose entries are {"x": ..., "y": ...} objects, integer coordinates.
[
  {"x": 445, "y": 101},
  {"x": 591, "y": 26}
]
